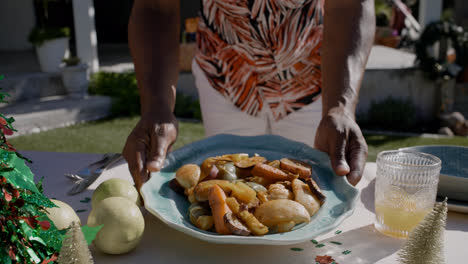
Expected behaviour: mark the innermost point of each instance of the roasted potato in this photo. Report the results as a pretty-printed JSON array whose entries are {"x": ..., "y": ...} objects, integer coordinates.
[
  {"x": 273, "y": 213},
  {"x": 202, "y": 189},
  {"x": 278, "y": 191},
  {"x": 188, "y": 175},
  {"x": 255, "y": 226},
  {"x": 243, "y": 192},
  {"x": 304, "y": 196}
]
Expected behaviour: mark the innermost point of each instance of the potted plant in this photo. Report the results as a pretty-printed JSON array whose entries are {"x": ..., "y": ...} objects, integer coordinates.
[
  {"x": 51, "y": 43},
  {"x": 51, "y": 46},
  {"x": 75, "y": 77}
]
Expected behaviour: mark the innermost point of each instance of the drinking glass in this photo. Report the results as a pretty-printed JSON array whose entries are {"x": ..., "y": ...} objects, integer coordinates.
[{"x": 405, "y": 190}]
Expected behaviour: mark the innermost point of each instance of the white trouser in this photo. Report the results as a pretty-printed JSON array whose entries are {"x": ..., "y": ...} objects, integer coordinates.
[{"x": 221, "y": 116}]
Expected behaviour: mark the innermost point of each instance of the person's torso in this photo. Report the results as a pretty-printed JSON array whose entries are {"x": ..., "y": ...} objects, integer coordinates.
[{"x": 262, "y": 53}]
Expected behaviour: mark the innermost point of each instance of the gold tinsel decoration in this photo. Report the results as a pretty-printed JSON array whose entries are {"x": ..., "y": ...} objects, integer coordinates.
[
  {"x": 75, "y": 249},
  {"x": 425, "y": 243}
]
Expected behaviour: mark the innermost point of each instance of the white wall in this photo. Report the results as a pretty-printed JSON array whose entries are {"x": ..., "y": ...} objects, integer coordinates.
[{"x": 16, "y": 20}]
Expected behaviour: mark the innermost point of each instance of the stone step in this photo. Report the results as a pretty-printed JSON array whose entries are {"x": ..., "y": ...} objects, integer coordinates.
[
  {"x": 46, "y": 113},
  {"x": 30, "y": 86}
]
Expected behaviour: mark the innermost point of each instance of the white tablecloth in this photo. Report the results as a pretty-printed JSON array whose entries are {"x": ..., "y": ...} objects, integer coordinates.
[{"x": 161, "y": 244}]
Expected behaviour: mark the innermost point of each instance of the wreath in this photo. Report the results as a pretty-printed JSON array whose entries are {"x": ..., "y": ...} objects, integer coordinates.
[{"x": 438, "y": 68}]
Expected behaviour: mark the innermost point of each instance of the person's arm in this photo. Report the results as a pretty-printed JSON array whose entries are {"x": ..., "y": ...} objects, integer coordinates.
[
  {"x": 153, "y": 35},
  {"x": 349, "y": 27}
]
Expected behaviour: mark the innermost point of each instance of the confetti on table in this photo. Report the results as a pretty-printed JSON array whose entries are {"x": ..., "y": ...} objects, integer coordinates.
[
  {"x": 346, "y": 252},
  {"x": 314, "y": 241},
  {"x": 336, "y": 242},
  {"x": 338, "y": 232},
  {"x": 81, "y": 210},
  {"x": 85, "y": 200},
  {"x": 297, "y": 249},
  {"x": 324, "y": 260},
  {"x": 319, "y": 245}
]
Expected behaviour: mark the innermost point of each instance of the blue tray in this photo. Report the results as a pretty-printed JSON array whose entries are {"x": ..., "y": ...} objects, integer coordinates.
[{"x": 453, "y": 182}]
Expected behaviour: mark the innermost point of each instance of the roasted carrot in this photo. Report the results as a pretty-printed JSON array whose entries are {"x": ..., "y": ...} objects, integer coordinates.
[{"x": 217, "y": 200}]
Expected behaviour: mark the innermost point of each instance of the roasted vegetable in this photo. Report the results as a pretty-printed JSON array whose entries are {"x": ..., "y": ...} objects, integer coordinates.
[
  {"x": 236, "y": 226},
  {"x": 316, "y": 190},
  {"x": 303, "y": 195},
  {"x": 273, "y": 213},
  {"x": 202, "y": 189},
  {"x": 200, "y": 216},
  {"x": 227, "y": 172},
  {"x": 196, "y": 210},
  {"x": 188, "y": 175},
  {"x": 250, "y": 162},
  {"x": 302, "y": 169},
  {"x": 260, "y": 180},
  {"x": 278, "y": 191},
  {"x": 243, "y": 193},
  {"x": 239, "y": 156},
  {"x": 233, "y": 204},
  {"x": 255, "y": 226},
  {"x": 256, "y": 187},
  {"x": 262, "y": 196},
  {"x": 205, "y": 222},
  {"x": 286, "y": 226},
  {"x": 275, "y": 164},
  {"x": 270, "y": 173},
  {"x": 206, "y": 168},
  {"x": 217, "y": 200}
]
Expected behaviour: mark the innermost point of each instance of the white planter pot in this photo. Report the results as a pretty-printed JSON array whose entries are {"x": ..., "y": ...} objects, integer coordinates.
[
  {"x": 75, "y": 79},
  {"x": 51, "y": 53}
]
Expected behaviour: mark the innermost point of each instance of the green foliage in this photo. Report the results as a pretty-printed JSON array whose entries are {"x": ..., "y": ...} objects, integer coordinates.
[
  {"x": 39, "y": 35},
  {"x": 26, "y": 234},
  {"x": 72, "y": 61},
  {"x": 391, "y": 114},
  {"x": 187, "y": 107},
  {"x": 122, "y": 87},
  {"x": 383, "y": 11}
]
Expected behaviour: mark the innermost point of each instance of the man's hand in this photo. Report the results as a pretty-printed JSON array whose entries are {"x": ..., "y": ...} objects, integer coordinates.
[
  {"x": 147, "y": 145},
  {"x": 340, "y": 137}
]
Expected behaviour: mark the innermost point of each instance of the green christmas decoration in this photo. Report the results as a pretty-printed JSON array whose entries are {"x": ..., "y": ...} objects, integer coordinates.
[
  {"x": 26, "y": 234},
  {"x": 75, "y": 248},
  {"x": 425, "y": 243}
]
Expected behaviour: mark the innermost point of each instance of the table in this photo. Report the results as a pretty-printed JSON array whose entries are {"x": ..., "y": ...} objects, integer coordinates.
[{"x": 161, "y": 244}]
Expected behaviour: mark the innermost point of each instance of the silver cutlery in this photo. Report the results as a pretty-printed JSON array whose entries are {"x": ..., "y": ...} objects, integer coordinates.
[{"x": 86, "y": 176}]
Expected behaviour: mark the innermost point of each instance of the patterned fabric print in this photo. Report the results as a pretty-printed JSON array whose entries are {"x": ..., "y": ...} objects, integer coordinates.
[{"x": 262, "y": 52}]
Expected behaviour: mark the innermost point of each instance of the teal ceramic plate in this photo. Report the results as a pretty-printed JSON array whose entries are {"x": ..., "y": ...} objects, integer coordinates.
[
  {"x": 171, "y": 207},
  {"x": 453, "y": 182}
]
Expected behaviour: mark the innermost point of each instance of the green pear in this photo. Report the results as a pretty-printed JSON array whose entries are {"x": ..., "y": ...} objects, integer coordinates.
[
  {"x": 63, "y": 215},
  {"x": 115, "y": 187},
  {"x": 123, "y": 225}
]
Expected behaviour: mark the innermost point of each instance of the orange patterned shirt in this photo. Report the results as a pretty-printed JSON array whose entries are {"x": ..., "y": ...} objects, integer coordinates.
[{"x": 262, "y": 53}]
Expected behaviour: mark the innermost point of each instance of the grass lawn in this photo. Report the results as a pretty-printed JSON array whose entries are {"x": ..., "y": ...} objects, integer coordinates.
[{"x": 110, "y": 135}]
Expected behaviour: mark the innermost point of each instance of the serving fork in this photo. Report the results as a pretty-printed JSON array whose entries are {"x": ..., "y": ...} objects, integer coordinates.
[{"x": 86, "y": 176}]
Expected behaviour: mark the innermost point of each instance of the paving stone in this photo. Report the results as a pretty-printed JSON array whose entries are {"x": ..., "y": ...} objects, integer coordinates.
[{"x": 52, "y": 112}]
